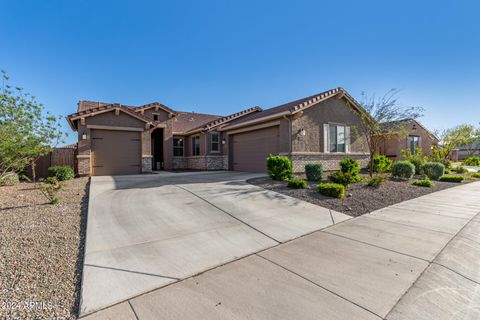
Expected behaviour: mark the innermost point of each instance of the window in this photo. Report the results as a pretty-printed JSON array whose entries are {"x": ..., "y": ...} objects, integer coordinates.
[
  {"x": 177, "y": 147},
  {"x": 196, "y": 146},
  {"x": 413, "y": 142},
  {"x": 215, "y": 143},
  {"x": 337, "y": 138},
  {"x": 155, "y": 117}
]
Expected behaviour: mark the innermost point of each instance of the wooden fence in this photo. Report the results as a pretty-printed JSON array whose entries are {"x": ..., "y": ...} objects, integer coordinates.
[{"x": 58, "y": 157}]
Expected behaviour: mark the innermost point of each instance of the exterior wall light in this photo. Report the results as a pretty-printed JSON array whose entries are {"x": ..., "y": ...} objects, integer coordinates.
[
  {"x": 224, "y": 141},
  {"x": 302, "y": 132},
  {"x": 84, "y": 136}
]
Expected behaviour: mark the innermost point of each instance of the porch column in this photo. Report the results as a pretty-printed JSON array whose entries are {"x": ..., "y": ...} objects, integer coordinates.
[{"x": 146, "y": 152}]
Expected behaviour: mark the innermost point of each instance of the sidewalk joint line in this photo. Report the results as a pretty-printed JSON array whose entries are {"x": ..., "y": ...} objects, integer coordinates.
[
  {"x": 409, "y": 225},
  {"x": 320, "y": 286},
  {"x": 432, "y": 214},
  {"x": 134, "y": 312},
  {"x": 456, "y": 272},
  {"x": 130, "y": 271},
  {"x": 374, "y": 245},
  {"x": 231, "y": 215},
  {"x": 430, "y": 264},
  {"x": 331, "y": 216}
]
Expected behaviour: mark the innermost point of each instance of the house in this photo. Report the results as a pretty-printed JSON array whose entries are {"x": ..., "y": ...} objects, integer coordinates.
[
  {"x": 118, "y": 139},
  {"x": 464, "y": 152},
  {"x": 410, "y": 134}
]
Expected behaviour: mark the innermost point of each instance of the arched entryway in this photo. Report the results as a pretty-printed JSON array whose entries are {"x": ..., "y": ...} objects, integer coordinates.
[{"x": 157, "y": 149}]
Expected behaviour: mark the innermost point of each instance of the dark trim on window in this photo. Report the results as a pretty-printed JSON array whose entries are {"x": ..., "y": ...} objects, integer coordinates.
[
  {"x": 196, "y": 146},
  {"x": 215, "y": 143}
]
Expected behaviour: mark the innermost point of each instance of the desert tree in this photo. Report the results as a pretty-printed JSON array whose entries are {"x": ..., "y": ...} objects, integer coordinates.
[
  {"x": 382, "y": 117},
  {"x": 27, "y": 131},
  {"x": 464, "y": 135}
]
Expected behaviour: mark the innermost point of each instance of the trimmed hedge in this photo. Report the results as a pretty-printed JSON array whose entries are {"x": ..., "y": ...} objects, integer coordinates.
[
  {"x": 62, "y": 173},
  {"x": 403, "y": 169},
  {"x": 452, "y": 178},
  {"x": 460, "y": 170},
  {"x": 476, "y": 175},
  {"x": 297, "y": 184},
  {"x": 351, "y": 166},
  {"x": 279, "y": 167},
  {"x": 472, "y": 161},
  {"x": 314, "y": 171},
  {"x": 332, "y": 190},
  {"x": 433, "y": 170},
  {"x": 424, "y": 183},
  {"x": 343, "y": 178},
  {"x": 381, "y": 164}
]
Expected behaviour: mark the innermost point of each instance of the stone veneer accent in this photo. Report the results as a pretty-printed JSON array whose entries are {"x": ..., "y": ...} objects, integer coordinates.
[
  {"x": 329, "y": 161},
  {"x": 215, "y": 162},
  {"x": 210, "y": 162},
  {"x": 146, "y": 164},
  {"x": 83, "y": 163}
]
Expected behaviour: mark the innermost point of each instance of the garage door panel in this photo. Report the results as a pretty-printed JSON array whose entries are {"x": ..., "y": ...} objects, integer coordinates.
[
  {"x": 250, "y": 149},
  {"x": 116, "y": 152}
]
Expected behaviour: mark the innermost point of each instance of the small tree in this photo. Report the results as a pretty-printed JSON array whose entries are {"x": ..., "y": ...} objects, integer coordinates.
[
  {"x": 378, "y": 111},
  {"x": 462, "y": 135},
  {"x": 27, "y": 132}
]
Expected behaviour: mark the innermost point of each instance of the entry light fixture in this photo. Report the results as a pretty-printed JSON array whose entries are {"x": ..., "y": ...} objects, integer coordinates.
[
  {"x": 84, "y": 136},
  {"x": 224, "y": 141},
  {"x": 302, "y": 132}
]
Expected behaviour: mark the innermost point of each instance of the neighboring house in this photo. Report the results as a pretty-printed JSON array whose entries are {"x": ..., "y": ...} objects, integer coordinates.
[
  {"x": 464, "y": 152},
  {"x": 119, "y": 139},
  {"x": 411, "y": 135}
]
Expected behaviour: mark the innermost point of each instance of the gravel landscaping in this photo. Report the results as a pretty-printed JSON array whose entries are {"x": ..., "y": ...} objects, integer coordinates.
[
  {"x": 41, "y": 251},
  {"x": 359, "y": 198}
]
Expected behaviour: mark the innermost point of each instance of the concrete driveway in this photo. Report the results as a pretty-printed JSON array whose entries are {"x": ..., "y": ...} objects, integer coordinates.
[
  {"x": 147, "y": 231},
  {"x": 416, "y": 260}
]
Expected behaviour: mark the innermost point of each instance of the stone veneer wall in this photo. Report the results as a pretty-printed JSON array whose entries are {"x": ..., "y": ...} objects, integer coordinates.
[
  {"x": 217, "y": 162},
  {"x": 83, "y": 163},
  {"x": 210, "y": 162},
  {"x": 147, "y": 164},
  {"x": 329, "y": 161}
]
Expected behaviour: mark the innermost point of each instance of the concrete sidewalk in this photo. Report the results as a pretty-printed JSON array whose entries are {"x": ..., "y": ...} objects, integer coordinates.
[{"x": 415, "y": 260}]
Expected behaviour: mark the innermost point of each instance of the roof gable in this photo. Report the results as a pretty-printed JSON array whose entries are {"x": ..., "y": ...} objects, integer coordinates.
[{"x": 102, "y": 108}]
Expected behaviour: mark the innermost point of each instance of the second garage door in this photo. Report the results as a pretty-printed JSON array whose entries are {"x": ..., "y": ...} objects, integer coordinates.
[
  {"x": 116, "y": 152},
  {"x": 251, "y": 149}
]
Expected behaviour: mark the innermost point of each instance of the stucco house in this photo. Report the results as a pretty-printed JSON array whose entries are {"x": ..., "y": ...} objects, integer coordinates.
[
  {"x": 118, "y": 139},
  {"x": 411, "y": 134}
]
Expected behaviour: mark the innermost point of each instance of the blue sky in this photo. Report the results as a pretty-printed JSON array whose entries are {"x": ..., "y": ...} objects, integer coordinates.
[{"x": 222, "y": 56}]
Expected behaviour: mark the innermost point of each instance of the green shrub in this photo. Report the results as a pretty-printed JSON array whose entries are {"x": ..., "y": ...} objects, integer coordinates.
[
  {"x": 376, "y": 181},
  {"x": 9, "y": 179},
  {"x": 476, "y": 175},
  {"x": 62, "y": 173},
  {"x": 403, "y": 169},
  {"x": 344, "y": 179},
  {"x": 279, "y": 167},
  {"x": 314, "y": 171},
  {"x": 433, "y": 170},
  {"x": 460, "y": 170},
  {"x": 448, "y": 171},
  {"x": 381, "y": 164},
  {"x": 351, "y": 166},
  {"x": 297, "y": 184},
  {"x": 472, "y": 161},
  {"x": 451, "y": 178},
  {"x": 424, "y": 183},
  {"x": 416, "y": 159},
  {"x": 332, "y": 190}
]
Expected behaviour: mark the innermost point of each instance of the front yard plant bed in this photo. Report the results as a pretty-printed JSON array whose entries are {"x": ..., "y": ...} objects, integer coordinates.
[
  {"x": 359, "y": 198},
  {"x": 41, "y": 251}
]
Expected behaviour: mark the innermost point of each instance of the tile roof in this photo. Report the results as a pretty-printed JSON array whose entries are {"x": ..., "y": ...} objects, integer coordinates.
[
  {"x": 187, "y": 121},
  {"x": 231, "y": 117},
  {"x": 293, "y": 106}
]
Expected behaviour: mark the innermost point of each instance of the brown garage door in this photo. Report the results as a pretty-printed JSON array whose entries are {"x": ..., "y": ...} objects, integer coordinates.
[
  {"x": 251, "y": 149},
  {"x": 116, "y": 152}
]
